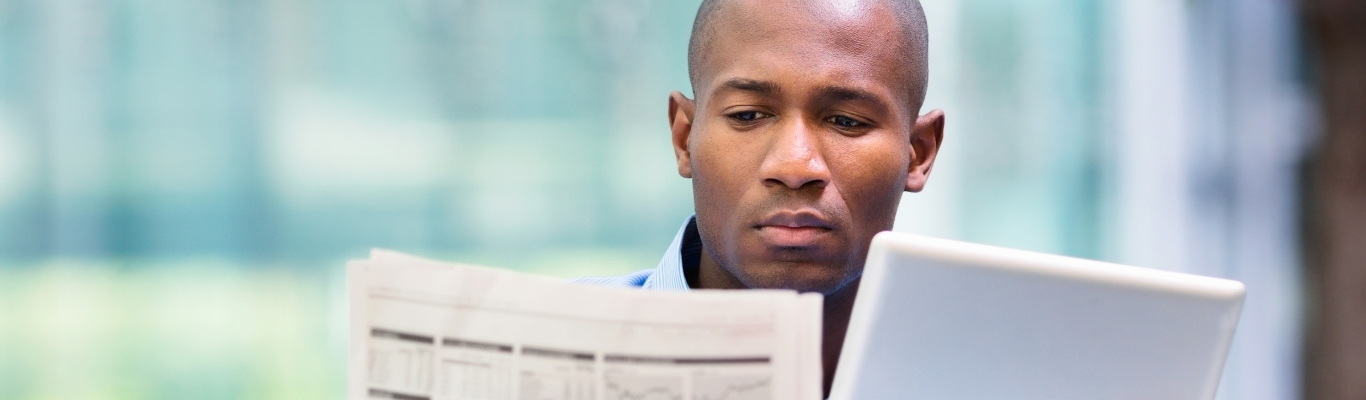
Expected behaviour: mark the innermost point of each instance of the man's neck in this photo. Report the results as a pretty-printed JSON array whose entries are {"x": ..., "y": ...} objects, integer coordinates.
[{"x": 838, "y": 305}]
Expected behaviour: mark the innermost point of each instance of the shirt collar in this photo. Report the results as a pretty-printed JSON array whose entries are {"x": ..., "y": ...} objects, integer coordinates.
[{"x": 684, "y": 253}]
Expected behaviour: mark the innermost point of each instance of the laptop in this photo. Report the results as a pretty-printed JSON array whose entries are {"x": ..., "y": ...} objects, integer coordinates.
[{"x": 942, "y": 319}]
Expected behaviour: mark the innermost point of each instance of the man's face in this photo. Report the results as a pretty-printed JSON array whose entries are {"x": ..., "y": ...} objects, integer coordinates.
[{"x": 803, "y": 137}]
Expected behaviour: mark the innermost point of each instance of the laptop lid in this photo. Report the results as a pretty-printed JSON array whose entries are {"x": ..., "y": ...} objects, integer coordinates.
[{"x": 942, "y": 319}]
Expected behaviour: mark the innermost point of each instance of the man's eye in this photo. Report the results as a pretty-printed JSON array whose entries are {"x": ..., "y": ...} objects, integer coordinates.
[
  {"x": 746, "y": 116},
  {"x": 845, "y": 122}
]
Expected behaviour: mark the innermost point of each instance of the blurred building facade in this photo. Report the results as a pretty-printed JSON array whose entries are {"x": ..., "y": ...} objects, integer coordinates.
[
  {"x": 1166, "y": 134},
  {"x": 307, "y": 130},
  {"x": 140, "y": 134}
]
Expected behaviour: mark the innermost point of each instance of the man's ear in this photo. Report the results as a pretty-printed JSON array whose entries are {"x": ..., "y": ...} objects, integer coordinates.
[
  {"x": 926, "y": 137},
  {"x": 681, "y": 110}
]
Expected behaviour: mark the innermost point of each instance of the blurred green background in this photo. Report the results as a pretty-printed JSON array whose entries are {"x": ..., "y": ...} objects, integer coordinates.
[{"x": 181, "y": 181}]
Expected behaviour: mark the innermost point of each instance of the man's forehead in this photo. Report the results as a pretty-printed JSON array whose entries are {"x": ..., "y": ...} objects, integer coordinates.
[{"x": 838, "y": 40}]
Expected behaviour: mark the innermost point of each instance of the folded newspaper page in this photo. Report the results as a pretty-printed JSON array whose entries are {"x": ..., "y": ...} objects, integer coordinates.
[{"x": 423, "y": 329}]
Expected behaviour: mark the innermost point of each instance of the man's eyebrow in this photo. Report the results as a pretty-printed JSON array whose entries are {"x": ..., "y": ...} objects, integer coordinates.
[
  {"x": 751, "y": 85},
  {"x": 844, "y": 94},
  {"x": 841, "y": 93}
]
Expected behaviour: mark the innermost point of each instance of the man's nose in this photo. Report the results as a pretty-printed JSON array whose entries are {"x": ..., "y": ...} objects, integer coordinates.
[{"x": 794, "y": 158}]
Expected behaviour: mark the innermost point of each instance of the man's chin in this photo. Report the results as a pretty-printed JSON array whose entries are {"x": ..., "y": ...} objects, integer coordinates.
[{"x": 800, "y": 277}]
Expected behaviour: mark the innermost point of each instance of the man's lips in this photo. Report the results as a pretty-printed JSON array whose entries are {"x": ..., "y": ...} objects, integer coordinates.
[{"x": 793, "y": 229}]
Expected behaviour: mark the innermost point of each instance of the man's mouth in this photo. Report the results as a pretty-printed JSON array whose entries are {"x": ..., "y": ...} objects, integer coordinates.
[{"x": 793, "y": 228}]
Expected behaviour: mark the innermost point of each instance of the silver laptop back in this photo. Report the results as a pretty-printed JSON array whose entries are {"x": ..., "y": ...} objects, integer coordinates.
[{"x": 941, "y": 319}]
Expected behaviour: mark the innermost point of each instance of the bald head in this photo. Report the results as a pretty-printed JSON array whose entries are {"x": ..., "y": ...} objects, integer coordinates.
[{"x": 911, "y": 38}]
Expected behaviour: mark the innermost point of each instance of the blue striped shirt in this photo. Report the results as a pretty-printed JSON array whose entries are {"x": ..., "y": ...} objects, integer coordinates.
[{"x": 683, "y": 254}]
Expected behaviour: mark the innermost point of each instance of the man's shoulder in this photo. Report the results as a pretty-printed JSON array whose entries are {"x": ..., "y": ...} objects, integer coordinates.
[
  {"x": 668, "y": 275},
  {"x": 634, "y": 279}
]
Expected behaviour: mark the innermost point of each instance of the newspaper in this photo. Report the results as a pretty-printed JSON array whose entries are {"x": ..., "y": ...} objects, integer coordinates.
[{"x": 422, "y": 329}]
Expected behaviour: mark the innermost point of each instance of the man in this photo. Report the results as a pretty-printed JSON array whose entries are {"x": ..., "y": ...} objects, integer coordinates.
[{"x": 801, "y": 140}]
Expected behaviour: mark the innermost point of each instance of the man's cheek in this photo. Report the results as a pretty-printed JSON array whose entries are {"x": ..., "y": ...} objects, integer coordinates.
[
  {"x": 869, "y": 198},
  {"x": 723, "y": 182}
]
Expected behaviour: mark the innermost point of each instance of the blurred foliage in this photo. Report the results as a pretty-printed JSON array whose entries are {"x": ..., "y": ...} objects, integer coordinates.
[{"x": 203, "y": 329}]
